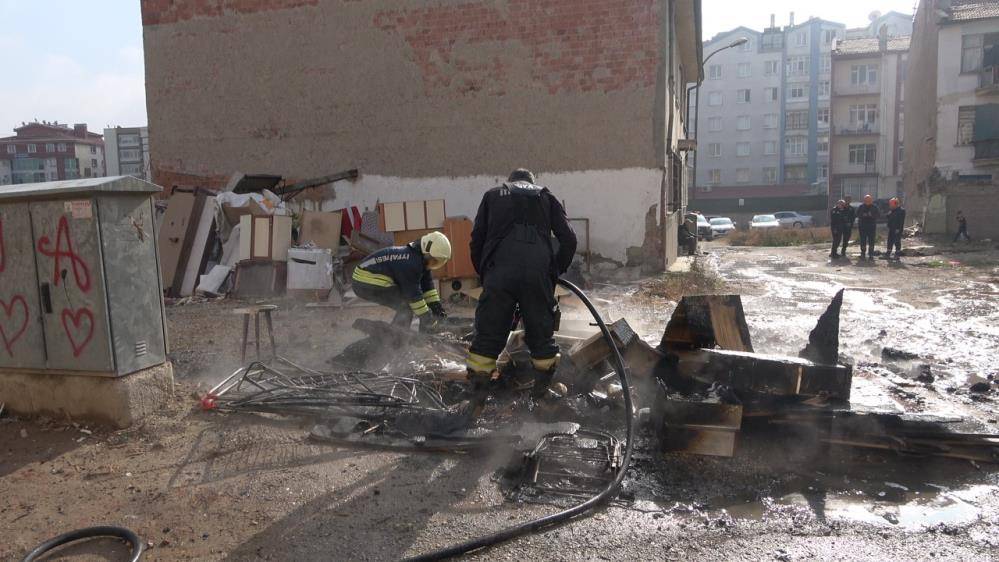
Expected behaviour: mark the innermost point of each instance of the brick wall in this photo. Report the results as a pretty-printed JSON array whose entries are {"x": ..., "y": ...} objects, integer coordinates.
[{"x": 453, "y": 88}]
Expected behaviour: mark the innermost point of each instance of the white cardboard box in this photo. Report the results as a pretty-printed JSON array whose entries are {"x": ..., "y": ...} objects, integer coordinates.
[{"x": 310, "y": 268}]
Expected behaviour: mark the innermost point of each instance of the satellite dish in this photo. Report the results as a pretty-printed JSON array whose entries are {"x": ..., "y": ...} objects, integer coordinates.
[{"x": 874, "y": 15}]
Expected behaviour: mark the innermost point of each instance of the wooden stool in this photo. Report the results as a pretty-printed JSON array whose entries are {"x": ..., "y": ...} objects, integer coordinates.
[{"x": 255, "y": 312}]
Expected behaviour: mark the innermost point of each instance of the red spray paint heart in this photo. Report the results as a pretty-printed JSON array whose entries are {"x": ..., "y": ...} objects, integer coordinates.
[
  {"x": 10, "y": 337},
  {"x": 78, "y": 337}
]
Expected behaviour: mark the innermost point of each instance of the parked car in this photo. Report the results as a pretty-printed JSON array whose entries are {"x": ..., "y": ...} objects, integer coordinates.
[
  {"x": 721, "y": 226},
  {"x": 704, "y": 231},
  {"x": 764, "y": 221},
  {"x": 792, "y": 219}
]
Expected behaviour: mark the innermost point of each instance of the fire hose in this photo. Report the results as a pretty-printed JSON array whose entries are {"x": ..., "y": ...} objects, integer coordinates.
[
  {"x": 90, "y": 532},
  {"x": 608, "y": 493}
]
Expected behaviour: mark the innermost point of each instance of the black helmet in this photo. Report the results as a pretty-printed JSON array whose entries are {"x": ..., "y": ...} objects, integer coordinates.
[{"x": 521, "y": 174}]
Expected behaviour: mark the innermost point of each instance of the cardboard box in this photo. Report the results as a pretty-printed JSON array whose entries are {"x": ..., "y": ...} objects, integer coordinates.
[{"x": 322, "y": 229}]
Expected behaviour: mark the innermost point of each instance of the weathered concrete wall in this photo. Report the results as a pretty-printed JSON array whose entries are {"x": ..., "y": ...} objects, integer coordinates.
[
  {"x": 443, "y": 98},
  {"x": 455, "y": 88},
  {"x": 116, "y": 401},
  {"x": 921, "y": 110}
]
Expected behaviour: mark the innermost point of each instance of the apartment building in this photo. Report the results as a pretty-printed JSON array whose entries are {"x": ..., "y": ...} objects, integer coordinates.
[
  {"x": 44, "y": 151},
  {"x": 866, "y": 149},
  {"x": 895, "y": 24},
  {"x": 952, "y": 116},
  {"x": 127, "y": 152}
]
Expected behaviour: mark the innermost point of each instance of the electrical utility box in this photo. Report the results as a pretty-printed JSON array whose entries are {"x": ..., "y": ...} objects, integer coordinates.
[{"x": 79, "y": 277}]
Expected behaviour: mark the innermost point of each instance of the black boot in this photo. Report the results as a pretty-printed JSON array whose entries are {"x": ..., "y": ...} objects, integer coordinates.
[{"x": 544, "y": 372}]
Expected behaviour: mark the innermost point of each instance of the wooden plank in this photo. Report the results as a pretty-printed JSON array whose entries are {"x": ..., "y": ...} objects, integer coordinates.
[
  {"x": 697, "y": 427},
  {"x": 416, "y": 215},
  {"x": 394, "y": 216},
  {"x": 707, "y": 321},
  {"x": 172, "y": 234},
  {"x": 459, "y": 231},
  {"x": 435, "y": 213},
  {"x": 184, "y": 255}
]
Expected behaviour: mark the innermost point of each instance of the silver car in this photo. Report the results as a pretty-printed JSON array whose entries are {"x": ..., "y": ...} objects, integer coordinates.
[
  {"x": 720, "y": 226},
  {"x": 792, "y": 219}
]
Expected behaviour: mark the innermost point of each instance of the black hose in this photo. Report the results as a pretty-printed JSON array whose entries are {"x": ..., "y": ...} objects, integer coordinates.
[
  {"x": 562, "y": 516},
  {"x": 90, "y": 532}
]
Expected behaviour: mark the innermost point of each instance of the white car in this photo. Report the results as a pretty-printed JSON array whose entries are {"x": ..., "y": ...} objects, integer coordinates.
[
  {"x": 704, "y": 230},
  {"x": 721, "y": 226},
  {"x": 792, "y": 219},
  {"x": 764, "y": 222}
]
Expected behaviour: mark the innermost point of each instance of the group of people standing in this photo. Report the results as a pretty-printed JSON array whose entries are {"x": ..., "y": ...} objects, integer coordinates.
[{"x": 844, "y": 216}]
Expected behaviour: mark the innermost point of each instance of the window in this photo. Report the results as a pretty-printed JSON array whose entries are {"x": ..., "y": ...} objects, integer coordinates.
[
  {"x": 863, "y": 115},
  {"x": 901, "y": 154},
  {"x": 796, "y": 145},
  {"x": 746, "y": 47},
  {"x": 742, "y": 175},
  {"x": 822, "y": 143},
  {"x": 864, "y": 74},
  {"x": 769, "y": 148},
  {"x": 130, "y": 155},
  {"x": 93, "y": 163},
  {"x": 824, "y": 88},
  {"x": 128, "y": 140},
  {"x": 772, "y": 41},
  {"x": 93, "y": 149},
  {"x": 32, "y": 149},
  {"x": 715, "y": 98},
  {"x": 714, "y": 71},
  {"x": 971, "y": 53},
  {"x": 742, "y": 123},
  {"x": 797, "y": 66},
  {"x": 715, "y": 124},
  {"x": 801, "y": 39},
  {"x": 798, "y": 91},
  {"x": 823, "y": 116},
  {"x": 863, "y": 153},
  {"x": 744, "y": 70},
  {"x": 770, "y": 175},
  {"x": 828, "y": 36},
  {"x": 714, "y": 176},
  {"x": 131, "y": 169},
  {"x": 742, "y": 149},
  {"x": 770, "y": 121},
  {"x": 771, "y": 95},
  {"x": 795, "y": 173},
  {"x": 858, "y": 187},
  {"x": 823, "y": 172},
  {"x": 49, "y": 147},
  {"x": 11, "y": 149},
  {"x": 742, "y": 96},
  {"x": 965, "y": 125},
  {"x": 826, "y": 64},
  {"x": 61, "y": 147},
  {"x": 714, "y": 149},
  {"x": 770, "y": 67},
  {"x": 796, "y": 120}
]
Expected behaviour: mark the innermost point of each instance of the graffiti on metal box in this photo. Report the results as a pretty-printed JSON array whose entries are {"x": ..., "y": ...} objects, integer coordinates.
[{"x": 64, "y": 249}]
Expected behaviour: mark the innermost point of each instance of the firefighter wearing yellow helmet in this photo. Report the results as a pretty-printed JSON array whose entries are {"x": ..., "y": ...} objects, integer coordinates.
[{"x": 399, "y": 278}]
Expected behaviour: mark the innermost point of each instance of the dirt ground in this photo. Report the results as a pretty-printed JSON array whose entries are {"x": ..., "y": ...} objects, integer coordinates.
[{"x": 207, "y": 486}]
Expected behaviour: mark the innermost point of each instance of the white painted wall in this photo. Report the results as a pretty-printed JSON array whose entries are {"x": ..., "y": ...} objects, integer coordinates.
[
  {"x": 953, "y": 91},
  {"x": 615, "y": 201}
]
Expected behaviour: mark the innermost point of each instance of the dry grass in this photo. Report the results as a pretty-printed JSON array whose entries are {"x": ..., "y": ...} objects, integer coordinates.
[
  {"x": 700, "y": 280},
  {"x": 780, "y": 237}
]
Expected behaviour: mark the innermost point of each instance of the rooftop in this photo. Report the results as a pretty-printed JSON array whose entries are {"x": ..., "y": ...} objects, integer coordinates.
[
  {"x": 967, "y": 10},
  {"x": 870, "y": 45}
]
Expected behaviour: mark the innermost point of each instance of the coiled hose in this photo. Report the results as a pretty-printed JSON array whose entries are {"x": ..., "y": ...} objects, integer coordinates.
[
  {"x": 607, "y": 494},
  {"x": 90, "y": 532}
]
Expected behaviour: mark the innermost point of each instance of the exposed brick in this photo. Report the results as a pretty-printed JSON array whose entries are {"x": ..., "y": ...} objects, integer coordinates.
[
  {"x": 156, "y": 12},
  {"x": 567, "y": 40}
]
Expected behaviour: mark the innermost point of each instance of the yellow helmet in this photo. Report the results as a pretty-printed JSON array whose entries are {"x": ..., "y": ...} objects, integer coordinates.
[{"x": 436, "y": 249}]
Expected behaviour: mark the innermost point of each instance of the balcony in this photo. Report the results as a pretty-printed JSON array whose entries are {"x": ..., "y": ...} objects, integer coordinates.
[
  {"x": 857, "y": 129},
  {"x": 988, "y": 81},
  {"x": 849, "y": 89}
]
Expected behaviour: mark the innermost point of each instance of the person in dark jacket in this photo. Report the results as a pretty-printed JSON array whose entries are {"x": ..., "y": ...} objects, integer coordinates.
[
  {"x": 513, "y": 253},
  {"x": 848, "y": 229},
  {"x": 896, "y": 222},
  {"x": 399, "y": 277},
  {"x": 867, "y": 216},
  {"x": 962, "y": 227},
  {"x": 839, "y": 224}
]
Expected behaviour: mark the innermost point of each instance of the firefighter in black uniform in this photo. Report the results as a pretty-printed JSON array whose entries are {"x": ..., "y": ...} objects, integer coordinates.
[
  {"x": 851, "y": 213},
  {"x": 867, "y": 216},
  {"x": 513, "y": 253},
  {"x": 896, "y": 223},
  {"x": 399, "y": 277},
  {"x": 839, "y": 224}
]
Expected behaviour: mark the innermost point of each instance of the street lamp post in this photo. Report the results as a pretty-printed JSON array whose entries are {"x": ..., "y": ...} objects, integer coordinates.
[{"x": 697, "y": 99}]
